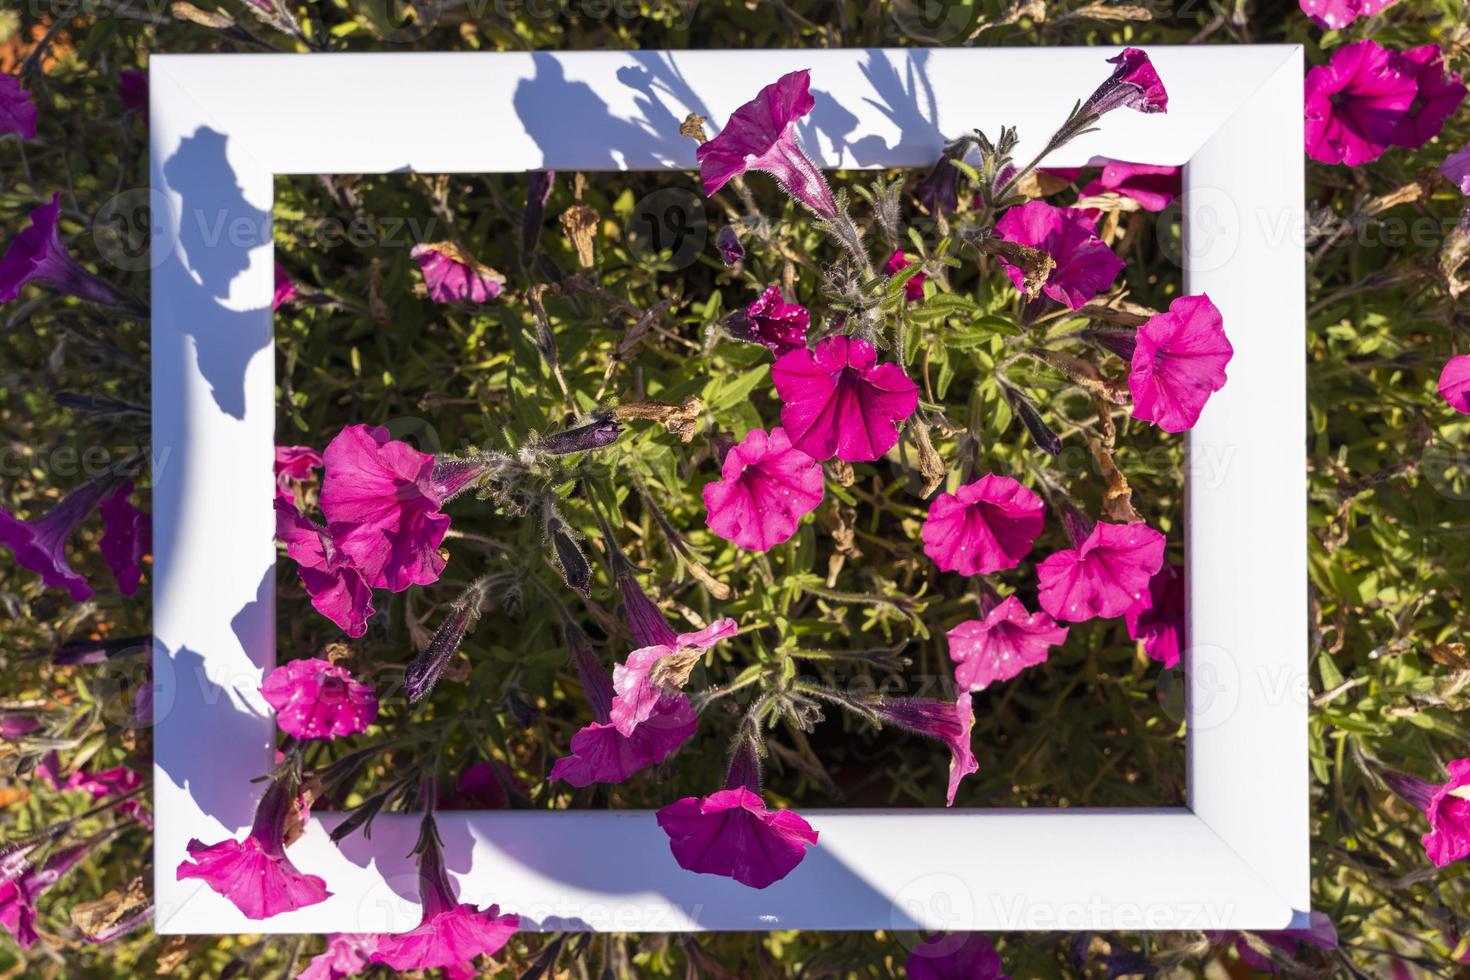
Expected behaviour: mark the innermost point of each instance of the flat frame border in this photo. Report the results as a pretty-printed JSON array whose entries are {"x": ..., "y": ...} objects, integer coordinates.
[{"x": 223, "y": 126}]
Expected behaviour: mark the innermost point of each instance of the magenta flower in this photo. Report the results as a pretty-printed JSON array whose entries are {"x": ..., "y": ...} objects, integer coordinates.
[
  {"x": 1157, "y": 618},
  {"x": 285, "y": 290},
  {"x": 132, "y": 91},
  {"x": 451, "y": 934},
  {"x": 771, "y": 322},
  {"x": 1085, "y": 266},
  {"x": 382, "y": 504},
  {"x": 1456, "y": 170},
  {"x": 1454, "y": 383},
  {"x": 40, "y": 543},
  {"x": 315, "y": 699},
  {"x": 602, "y": 754},
  {"x": 949, "y": 722},
  {"x": 1102, "y": 577},
  {"x": 727, "y": 243},
  {"x": 126, "y": 537},
  {"x": 954, "y": 956},
  {"x": 765, "y": 488},
  {"x": 333, "y": 581},
  {"x": 761, "y": 135},
  {"x": 24, "y": 883},
  {"x": 453, "y": 275},
  {"x": 1447, "y": 808},
  {"x": 1178, "y": 361},
  {"x": 1134, "y": 83},
  {"x": 1336, "y": 14},
  {"x": 913, "y": 288},
  {"x": 1153, "y": 187},
  {"x": 294, "y": 464},
  {"x": 255, "y": 874},
  {"x": 1354, "y": 104},
  {"x": 17, "y": 111},
  {"x": 647, "y": 624},
  {"x": 345, "y": 956},
  {"x": 1440, "y": 92},
  {"x": 840, "y": 401},
  {"x": 983, "y": 527},
  {"x": 732, "y": 834},
  {"x": 1007, "y": 641},
  {"x": 483, "y": 786},
  {"x": 638, "y": 683},
  {"x": 37, "y": 255},
  {"x": 117, "y": 781}
]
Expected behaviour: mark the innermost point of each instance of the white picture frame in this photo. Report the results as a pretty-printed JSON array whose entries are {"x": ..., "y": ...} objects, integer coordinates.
[{"x": 222, "y": 127}]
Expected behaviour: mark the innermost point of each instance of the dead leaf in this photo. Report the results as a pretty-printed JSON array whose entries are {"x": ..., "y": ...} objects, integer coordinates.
[
  {"x": 693, "y": 128},
  {"x": 681, "y": 420},
  {"x": 579, "y": 222},
  {"x": 101, "y": 914},
  {"x": 931, "y": 466}
]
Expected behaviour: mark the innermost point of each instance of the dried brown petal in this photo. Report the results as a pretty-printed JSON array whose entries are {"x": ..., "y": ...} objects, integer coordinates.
[
  {"x": 681, "y": 420},
  {"x": 693, "y": 128},
  {"x": 204, "y": 18},
  {"x": 931, "y": 466},
  {"x": 1035, "y": 265},
  {"x": 579, "y": 222}
]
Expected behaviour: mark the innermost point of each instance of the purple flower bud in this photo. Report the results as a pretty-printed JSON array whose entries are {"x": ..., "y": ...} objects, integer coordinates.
[
  {"x": 728, "y": 242},
  {"x": 569, "y": 558},
  {"x": 650, "y": 628},
  {"x": 421, "y": 676},
  {"x": 1410, "y": 788},
  {"x": 1046, "y": 440},
  {"x": 745, "y": 765},
  {"x": 601, "y": 430},
  {"x": 939, "y": 190},
  {"x": 537, "y": 194}
]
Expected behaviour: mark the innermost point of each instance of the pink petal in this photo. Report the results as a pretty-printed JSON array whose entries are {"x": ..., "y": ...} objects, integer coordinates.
[
  {"x": 1178, "y": 362},
  {"x": 1454, "y": 383},
  {"x": 767, "y": 486},
  {"x": 731, "y": 833},
  {"x": 983, "y": 527},
  {"x": 1105, "y": 576},
  {"x": 999, "y": 647},
  {"x": 837, "y": 402}
]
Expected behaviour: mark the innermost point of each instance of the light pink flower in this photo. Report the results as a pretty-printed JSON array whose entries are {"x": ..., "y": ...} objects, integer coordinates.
[
  {"x": 1354, "y": 104},
  {"x": 761, "y": 135},
  {"x": 1007, "y": 641},
  {"x": 949, "y": 722},
  {"x": 1157, "y": 618},
  {"x": 1337, "y": 14},
  {"x": 1134, "y": 83},
  {"x": 451, "y": 934},
  {"x": 39, "y": 544},
  {"x": 1456, "y": 170},
  {"x": 954, "y": 956},
  {"x": 1440, "y": 92},
  {"x": 602, "y": 754},
  {"x": 382, "y": 503},
  {"x": 765, "y": 488},
  {"x": 285, "y": 290},
  {"x": 1454, "y": 383},
  {"x": 315, "y": 699},
  {"x": 913, "y": 288},
  {"x": 345, "y": 956},
  {"x": 983, "y": 527},
  {"x": 1179, "y": 360},
  {"x": 1104, "y": 576},
  {"x": 1153, "y": 187},
  {"x": 840, "y": 401},
  {"x": 255, "y": 874},
  {"x": 453, "y": 275},
  {"x": 638, "y": 692},
  {"x": 333, "y": 581},
  {"x": 732, "y": 834},
  {"x": 771, "y": 322},
  {"x": 1085, "y": 266},
  {"x": 127, "y": 535},
  {"x": 17, "y": 111}
]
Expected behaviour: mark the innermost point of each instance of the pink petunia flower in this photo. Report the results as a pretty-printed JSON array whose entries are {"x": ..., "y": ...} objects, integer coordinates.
[
  {"x": 345, "y": 956},
  {"x": 382, "y": 499},
  {"x": 732, "y": 834},
  {"x": 1456, "y": 170},
  {"x": 602, "y": 754},
  {"x": 1439, "y": 93},
  {"x": 40, "y": 543},
  {"x": 25, "y": 883},
  {"x": 913, "y": 288},
  {"x": 1085, "y": 266},
  {"x": 335, "y": 584},
  {"x": 1153, "y": 187},
  {"x": 1157, "y": 618},
  {"x": 1337, "y": 14},
  {"x": 453, "y": 275},
  {"x": 840, "y": 401},
  {"x": 1007, "y": 641},
  {"x": 949, "y": 722},
  {"x": 1354, "y": 104},
  {"x": 451, "y": 934},
  {"x": 765, "y": 488},
  {"x": 315, "y": 699},
  {"x": 1454, "y": 383},
  {"x": 255, "y": 874},
  {"x": 1102, "y": 577},
  {"x": 638, "y": 681},
  {"x": 1134, "y": 84},
  {"x": 127, "y": 534},
  {"x": 1447, "y": 806},
  {"x": 37, "y": 255},
  {"x": 771, "y": 322},
  {"x": 761, "y": 135},
  {"x": 285, "y": 290},
  {"x": 1179, "y": 360},
  {"x": 954, "y": 956},
  {"x": 17, "y": 111},
  {"x": 294, "y": 464},
  {"x": 983, "y": 527}
]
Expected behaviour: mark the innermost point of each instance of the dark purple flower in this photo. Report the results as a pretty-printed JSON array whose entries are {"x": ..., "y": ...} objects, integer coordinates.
[
  {"x": 1439, "y": 94},
  {"x": 954, "y": 956},
  {"x": 421, "y": 676},
  {"x": 1134, "y": 83},
  {"x": 600, "y": 430},
  {"x": 40, "y": 543},
  {"x": 37, "y": 255},
  {"x": 771, "y": 322},
  {"x": 538, "y": 192},
  {"x": 913, "y": 287},
  {"x": 132, "y": 90},
  {"x": 126, "y": 537},
  {"x": 761, "y": 135},
  {"x": 728, "y": 242},
  {"x": 948, "y": 721},
  {"x": 17, "y": 111}
]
